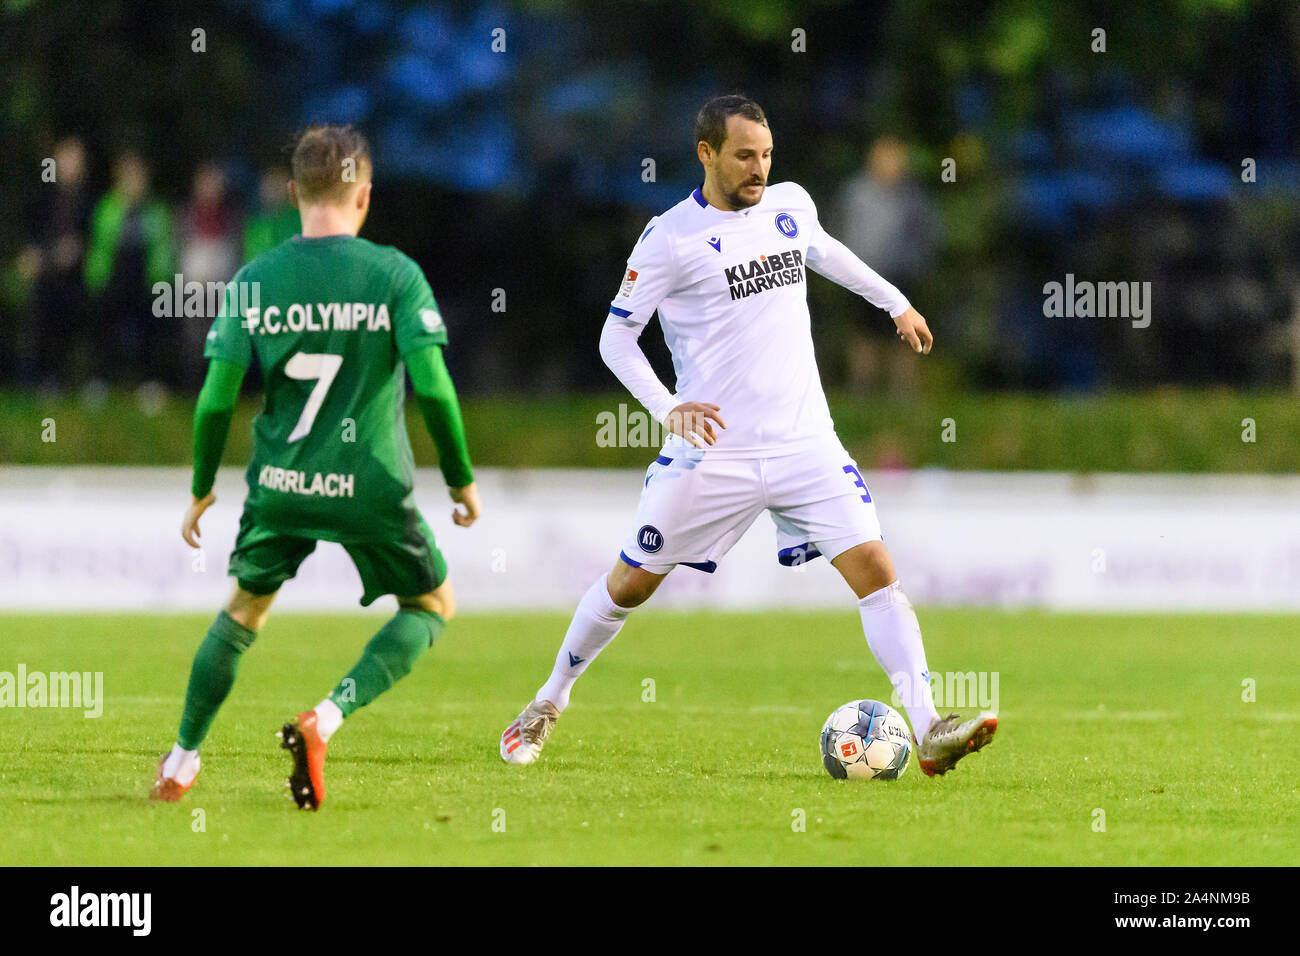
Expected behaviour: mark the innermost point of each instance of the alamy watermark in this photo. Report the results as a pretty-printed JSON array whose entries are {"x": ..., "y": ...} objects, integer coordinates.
[
  {"x": 82, "y": 690},
  {"x": 179, "y": 299},
  {"x": 629, "y": 429},
  {"x": 1101, "y": 300},
  {"x": 951, "y": 689},
  {"x": 133, "y": 911}
]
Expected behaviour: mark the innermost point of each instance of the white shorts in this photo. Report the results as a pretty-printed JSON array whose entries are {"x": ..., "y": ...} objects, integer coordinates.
[{"x": 694, "y": 509}]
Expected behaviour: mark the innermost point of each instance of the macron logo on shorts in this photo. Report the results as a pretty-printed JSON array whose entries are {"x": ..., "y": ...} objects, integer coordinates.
[{"x": 649, "y": 539}]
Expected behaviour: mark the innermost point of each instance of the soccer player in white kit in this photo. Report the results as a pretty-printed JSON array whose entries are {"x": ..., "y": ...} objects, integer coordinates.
[{"x": 751, "y": 430}]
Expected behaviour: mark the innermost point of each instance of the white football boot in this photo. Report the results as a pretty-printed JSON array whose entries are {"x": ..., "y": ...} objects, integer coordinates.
[{"x": 523, "y": 740}]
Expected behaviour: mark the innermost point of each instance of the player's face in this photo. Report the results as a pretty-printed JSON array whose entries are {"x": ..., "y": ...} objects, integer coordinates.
[{"x": 741, "y": 166}]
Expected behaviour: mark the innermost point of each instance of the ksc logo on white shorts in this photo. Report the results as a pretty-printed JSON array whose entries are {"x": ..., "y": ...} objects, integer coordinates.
[{"x": 649, "y": 539}]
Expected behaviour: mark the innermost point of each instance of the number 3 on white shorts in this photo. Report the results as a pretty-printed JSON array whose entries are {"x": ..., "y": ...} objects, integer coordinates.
[
  {"x": 305, "y": 366},
  {"x": 852, "y": 472}
]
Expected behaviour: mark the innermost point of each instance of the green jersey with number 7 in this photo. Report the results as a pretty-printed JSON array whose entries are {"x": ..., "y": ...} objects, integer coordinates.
[{"x": 330, "y": 320}]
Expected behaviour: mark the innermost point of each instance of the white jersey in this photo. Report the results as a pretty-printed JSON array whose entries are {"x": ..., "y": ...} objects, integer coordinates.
[{"x": 730, "y": 289}]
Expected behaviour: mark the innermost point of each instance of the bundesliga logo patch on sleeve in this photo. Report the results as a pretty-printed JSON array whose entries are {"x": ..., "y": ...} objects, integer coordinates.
[{"x": 629, "y": 280}]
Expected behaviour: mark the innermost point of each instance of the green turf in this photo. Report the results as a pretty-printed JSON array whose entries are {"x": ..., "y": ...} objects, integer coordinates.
[{"x": 1139, "y": 716}]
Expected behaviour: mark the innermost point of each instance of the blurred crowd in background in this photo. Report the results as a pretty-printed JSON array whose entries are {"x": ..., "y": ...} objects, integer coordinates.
[
  {"x": 522, "y": 147},
  {"x": 101, "y": 271}
]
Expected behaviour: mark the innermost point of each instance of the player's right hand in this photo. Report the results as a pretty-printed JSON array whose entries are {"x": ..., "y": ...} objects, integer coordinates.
[
  {"x": 691, "y": 421},
  {"x": 467, "y": 496},
  {"x": 190, "y": 523}
]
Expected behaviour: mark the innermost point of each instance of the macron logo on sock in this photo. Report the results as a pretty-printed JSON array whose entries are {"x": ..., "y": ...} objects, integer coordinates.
[{"x": 575, "y": 661}]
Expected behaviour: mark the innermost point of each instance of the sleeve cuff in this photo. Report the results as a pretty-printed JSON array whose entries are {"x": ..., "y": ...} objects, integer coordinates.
[
  {"x": 899, "y": 307},
  {"x": 659, "y": 408}
]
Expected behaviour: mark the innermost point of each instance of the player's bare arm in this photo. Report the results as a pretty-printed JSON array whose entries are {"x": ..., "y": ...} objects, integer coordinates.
[{"x": 912, "y": 329}]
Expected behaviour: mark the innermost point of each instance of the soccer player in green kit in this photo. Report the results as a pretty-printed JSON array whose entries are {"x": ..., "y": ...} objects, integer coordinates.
[{"x": 332, "y": 320}]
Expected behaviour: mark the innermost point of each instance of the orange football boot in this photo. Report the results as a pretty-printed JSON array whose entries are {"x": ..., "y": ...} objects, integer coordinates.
[
  {"x": 168, "y": 789},
  {"x": 304, "y": 743}
]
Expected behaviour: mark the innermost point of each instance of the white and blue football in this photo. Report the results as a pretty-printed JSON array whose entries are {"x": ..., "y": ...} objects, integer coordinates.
[{"x": 866, "y": 740}]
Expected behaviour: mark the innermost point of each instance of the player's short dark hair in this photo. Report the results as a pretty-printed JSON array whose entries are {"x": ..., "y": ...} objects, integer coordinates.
[
  {"x": 711, "y": 122},
  {"x": 320, "y": 161}
]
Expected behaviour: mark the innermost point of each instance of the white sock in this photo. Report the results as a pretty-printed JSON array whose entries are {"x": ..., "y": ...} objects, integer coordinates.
[
  {"x": 181, "y": 765},
  {"x": 894, "y": 636},
  {"x": 595, "y": 623},
  {"x": 328, "y": 719}
]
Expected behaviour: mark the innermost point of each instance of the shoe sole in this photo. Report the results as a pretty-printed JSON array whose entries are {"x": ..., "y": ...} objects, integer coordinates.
[
  {"x": 978, "y": 739},
  {"x": 301, "y": 790},
  {"x": 167, "y": 791}
]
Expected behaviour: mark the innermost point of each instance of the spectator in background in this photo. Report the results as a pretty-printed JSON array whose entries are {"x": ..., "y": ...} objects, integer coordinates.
[
  {"x": 275, "y": 219},
  {"x": 130, "y": 249},
  {"x": 52, "y": 335},
  {"x": 210, "y": 247},
  {"x": 890, "y": 223}
]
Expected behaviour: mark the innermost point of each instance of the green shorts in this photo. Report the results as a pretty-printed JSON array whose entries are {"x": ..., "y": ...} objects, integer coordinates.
[{"x": 264, "y": 559}]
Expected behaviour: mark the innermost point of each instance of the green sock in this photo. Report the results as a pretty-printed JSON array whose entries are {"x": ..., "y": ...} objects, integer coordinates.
[
  {"x": 387, "y": 658},
  {"x": 211, "y": 677}
]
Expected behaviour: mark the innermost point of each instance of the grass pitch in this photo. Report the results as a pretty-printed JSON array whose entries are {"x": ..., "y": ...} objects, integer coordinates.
[{"x": 1141, "y": 718}]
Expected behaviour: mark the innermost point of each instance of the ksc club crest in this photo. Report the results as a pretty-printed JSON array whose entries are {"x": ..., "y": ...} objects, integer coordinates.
[
  {"x": 649, "y": 539},
  {"x": 786, "y": 224}
]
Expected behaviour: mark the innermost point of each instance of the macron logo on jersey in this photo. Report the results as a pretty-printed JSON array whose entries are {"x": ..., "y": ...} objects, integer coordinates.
[
  {"x": 431, "y": 320},
  {"x": 765, "y": 272}
]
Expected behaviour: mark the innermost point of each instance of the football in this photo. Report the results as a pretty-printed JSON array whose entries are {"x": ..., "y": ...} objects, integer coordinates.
[{"x": 866, "y": 740}]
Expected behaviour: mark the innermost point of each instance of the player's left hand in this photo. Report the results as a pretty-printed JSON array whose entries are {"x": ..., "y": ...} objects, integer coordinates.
[
  {"x": 190, "y": 523},
  {"x": 913, "y": 330},
  {"x": 467, "y": 496}
]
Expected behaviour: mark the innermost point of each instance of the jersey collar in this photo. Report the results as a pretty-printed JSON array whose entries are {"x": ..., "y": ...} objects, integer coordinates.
[{"x": 698, "y": 196}]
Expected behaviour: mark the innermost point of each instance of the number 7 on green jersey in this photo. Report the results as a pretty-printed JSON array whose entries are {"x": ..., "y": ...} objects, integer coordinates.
[{"x": 305, "y": 366}]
